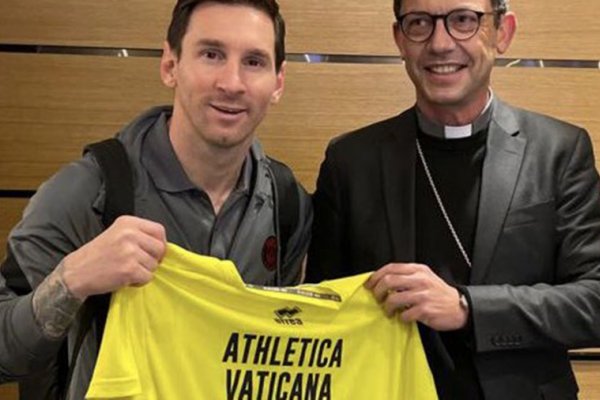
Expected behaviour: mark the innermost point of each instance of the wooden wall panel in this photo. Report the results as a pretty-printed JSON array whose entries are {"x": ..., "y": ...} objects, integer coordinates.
[
  {"x": 568, "y": 94},
  {"x": 554, "y": 29},
  {"x": 55, "y": 104},
  {"x": 587, "y": 373},
  {"x": 315, "y": 26},
  {"x": 10, "y": 214},
  {"x": 326, "y": 100},
  {"x": 342, "y": 27},
  {"x": 51, "y": 105},
  {"x": 9, "y": 392},
  {"x": 109, "y": 23}
]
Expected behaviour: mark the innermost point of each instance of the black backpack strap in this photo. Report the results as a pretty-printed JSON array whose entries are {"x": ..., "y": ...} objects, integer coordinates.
[
  {"x": 119, "y": 200},
  {"x": 13, "y": 274},
  {"x": 287, "y": 203},
  {"x": 118, "y": 178}
]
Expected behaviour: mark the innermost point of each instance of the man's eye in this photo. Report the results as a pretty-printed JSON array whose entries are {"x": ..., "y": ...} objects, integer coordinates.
[
  {"x": 255, "y": 62},
  {"x": 210, "y": 54},
  {"x": 419, "y": 22}
]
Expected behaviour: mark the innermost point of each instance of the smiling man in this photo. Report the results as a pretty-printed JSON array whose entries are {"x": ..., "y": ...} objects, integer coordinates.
[
  {"x": 201, "y": 181},
  {"x": 481, "y": 220}
]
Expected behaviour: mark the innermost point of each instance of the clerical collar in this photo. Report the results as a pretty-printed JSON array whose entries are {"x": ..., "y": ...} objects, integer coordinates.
[{"x": 433, "y": 128}]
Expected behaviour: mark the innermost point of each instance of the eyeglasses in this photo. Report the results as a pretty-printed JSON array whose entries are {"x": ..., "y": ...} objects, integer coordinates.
[{"x": 461, "y": 24}]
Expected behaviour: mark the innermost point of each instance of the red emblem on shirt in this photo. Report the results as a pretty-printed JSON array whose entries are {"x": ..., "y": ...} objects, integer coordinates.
[{"x": 269, "y": 253}]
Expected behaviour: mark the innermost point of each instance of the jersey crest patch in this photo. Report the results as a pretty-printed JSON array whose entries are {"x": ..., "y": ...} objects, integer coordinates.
[{"x": 269, "y": 253}]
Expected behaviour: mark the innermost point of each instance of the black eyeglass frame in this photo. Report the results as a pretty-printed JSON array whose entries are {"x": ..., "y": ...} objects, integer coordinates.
[{"x": 445, "y": 18}]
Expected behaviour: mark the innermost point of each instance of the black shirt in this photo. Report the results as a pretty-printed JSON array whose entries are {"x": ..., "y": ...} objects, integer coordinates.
[{"x": 455, "y": 166}]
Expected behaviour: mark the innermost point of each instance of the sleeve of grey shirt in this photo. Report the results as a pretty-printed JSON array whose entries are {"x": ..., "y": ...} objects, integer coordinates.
[{"x": 61, "y": 217}]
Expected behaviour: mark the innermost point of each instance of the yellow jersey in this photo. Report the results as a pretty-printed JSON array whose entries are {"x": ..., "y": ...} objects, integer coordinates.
[{"x": 196, "y": 331}]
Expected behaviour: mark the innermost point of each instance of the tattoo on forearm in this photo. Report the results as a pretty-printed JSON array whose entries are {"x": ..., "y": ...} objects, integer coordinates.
[{"x": 54, "y": 306}]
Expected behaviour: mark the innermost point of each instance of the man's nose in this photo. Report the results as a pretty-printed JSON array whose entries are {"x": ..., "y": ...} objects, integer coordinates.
[
  {"x": 441, "y": 40},
  {"x": 230, "y": 78}
]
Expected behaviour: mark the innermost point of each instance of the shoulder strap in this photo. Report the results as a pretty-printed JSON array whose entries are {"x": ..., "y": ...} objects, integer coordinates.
[
  {"x": 119, "y": 200},
  {"x": 13, "y": 274},
  {"x": 287, "y": 203},
  {"x": 118, "y": 178}
]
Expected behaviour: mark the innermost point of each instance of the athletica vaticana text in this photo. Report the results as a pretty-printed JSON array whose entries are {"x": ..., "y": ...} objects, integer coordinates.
[{"x": 263, "y": 367}]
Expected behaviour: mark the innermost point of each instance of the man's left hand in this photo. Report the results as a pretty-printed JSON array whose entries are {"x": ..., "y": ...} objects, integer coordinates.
[{"x": 418, "y": 294}]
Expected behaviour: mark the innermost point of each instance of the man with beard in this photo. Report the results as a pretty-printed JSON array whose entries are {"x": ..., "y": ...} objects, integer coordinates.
[{"x": 201, "y": 178}]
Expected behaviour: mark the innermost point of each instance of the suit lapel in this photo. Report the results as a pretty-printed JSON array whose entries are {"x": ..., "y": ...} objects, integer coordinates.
[
  {"x": 398, "y": 175},
  {"x": 505, "y": 150}
]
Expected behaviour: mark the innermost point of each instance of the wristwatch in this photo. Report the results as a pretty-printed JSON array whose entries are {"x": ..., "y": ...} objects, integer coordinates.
[{"x": 462, "y": 300}]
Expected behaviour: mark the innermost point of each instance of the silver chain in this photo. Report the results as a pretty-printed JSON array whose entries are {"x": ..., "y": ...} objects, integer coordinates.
[{"x": 441, "y": 205}]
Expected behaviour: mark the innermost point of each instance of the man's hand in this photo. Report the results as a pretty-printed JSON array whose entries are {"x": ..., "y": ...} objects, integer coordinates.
[
  {"x": 418, "y": 294},
  {"x": 125, "y": 254}
]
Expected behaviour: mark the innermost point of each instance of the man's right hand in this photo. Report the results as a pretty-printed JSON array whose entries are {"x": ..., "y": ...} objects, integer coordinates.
[{"x": 125, "y": 254}]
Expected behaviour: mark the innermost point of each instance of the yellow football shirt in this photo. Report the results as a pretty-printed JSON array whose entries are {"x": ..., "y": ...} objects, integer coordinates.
[{"x": 198, "y": 332}]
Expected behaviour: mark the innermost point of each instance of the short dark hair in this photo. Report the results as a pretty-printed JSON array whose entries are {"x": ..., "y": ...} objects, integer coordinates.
[
  {"x": 500, "y": 6},
  {"x": 184, "y": 8}
]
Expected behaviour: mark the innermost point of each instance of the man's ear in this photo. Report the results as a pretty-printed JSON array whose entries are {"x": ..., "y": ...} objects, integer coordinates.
[
  {"x": 506, "y": 32},
  {"x": 280, "y": 84},
  {"x": 168, "y": 66}
]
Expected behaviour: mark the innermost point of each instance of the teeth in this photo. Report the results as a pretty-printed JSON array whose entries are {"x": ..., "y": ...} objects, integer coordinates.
[
  {"x": 444, "y": 69},
  {"x": 228, "y": 110}
]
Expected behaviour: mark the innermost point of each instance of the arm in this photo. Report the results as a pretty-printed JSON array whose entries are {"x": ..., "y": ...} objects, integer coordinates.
[
  {"x": 53, "y": 225},
  {"x": 566, "y": 311},
  {"x": 57, "y": 227}
]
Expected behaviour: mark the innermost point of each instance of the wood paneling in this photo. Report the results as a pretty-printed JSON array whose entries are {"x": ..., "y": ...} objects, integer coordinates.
[
  {"x": 10, "y": 214},
  {"x": 9, "y": 392},
  {"x": 111, "y": 23},
  {"x": 326, "y": 100},
  {"x": 567, "y": 94},
  {"x": 315, "y": 26},
  {"x": 365, "y": 27},
  {"x": 55, "y": 104},
  {"x": 49, "y": 105},
  {"x": 340, "y": 26},
  {"x": 588, "y": 374},
  {"x": 553, "y": 29}
]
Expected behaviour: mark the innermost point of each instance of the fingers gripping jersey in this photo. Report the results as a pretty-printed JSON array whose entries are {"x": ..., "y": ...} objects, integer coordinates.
[{"x": 198, "y": 332}]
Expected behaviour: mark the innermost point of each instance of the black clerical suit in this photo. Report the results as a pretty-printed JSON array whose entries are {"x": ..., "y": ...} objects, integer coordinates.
[{"x": 535, "y": 280}]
